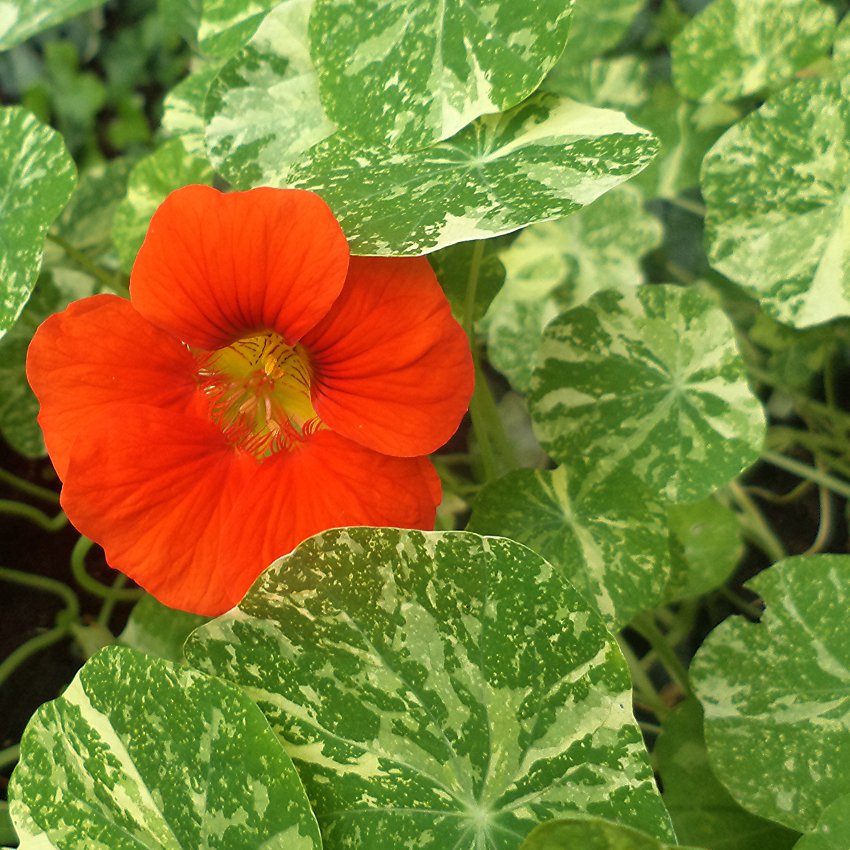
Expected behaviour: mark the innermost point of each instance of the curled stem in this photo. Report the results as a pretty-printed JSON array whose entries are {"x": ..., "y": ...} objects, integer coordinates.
[
  {"x": 34, "y": 515},
  {"x": 27, "y": 487},
  {"x": 92, "y": 585}
]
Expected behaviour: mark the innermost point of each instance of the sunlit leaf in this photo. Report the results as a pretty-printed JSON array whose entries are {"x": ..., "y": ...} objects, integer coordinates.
[
  {"x": 781, "y": 689},
  {"x": 183, "y": 108},
  {"x": 609, "y": 541},
  {"x": 406, "y": 74},
  {"x": 226, "y": 25},
  {"x": 436, "y": 690},
  {"x": 169, "y": 167},
  {"x": 37, "y": 177},
  {"x": 647, "y": 381},
  {"x": 778, "y": 217},
  {"x": 22, "y": 19},
  {"x": 703, "y": 811},
  {"x": 138, "y": 752},
  {"x": 158, "y": 630},
  {"x": 739, "y": 47}
]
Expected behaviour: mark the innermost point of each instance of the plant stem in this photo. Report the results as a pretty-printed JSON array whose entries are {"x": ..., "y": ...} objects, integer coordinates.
[
  {"x": 92, "y": 585},
  {"x": 30, "y": 489},
  {"x": 644, "y": 625},
  {"x": 802, "y": 470},
  {"x": 760, "y": 532},
  {"x": 110, "y": 602},
  {"x": 30, "y": 648},
  {"x": 694, "y": 207},
  {"x": 645, "y": 691},
  {"x": 49, "y": 585},
  {"x": 34, "y": 515},
  {"x": 739, "y": 602},
  {"x": 111, "y": 280}
]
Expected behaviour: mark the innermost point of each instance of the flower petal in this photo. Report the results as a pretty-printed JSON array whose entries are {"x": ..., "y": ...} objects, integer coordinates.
[
  {"x": 154, "y": 488},
  {"x": 326, "y": 482},
  {"x": 392, "y": 366},
  {"x": 97, "y": 353},
  {"x": 215, "y": 267}
]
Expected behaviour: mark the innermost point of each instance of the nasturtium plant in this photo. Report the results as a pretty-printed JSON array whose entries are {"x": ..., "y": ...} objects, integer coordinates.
[
  {"x": 37, "y": 177},
  {"x": 140, "y": 752},
  {"x": 735, "y": 48},
  {"x": 225, "y": 25},
  {"x": 833, "y": 829},
  {"x": 22, "y": 19},
  {"x": 597, "y": 26},
  {"x": 436, "y": 690},
  {"x": 777, "y": 209},
  {"x": 647, "y": 381},
  {"x": 407, "y": 73},
  {"x": 780, "y": 688},
  {"x": 158, "y": 630},
  {"x": 183, "y": 109},
  {"x": 609, "y": 541},
  {"x": 590, "y": 834}
]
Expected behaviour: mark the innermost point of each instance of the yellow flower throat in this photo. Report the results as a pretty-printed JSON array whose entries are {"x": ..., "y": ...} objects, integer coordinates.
[{"x": 259, "y": 389}]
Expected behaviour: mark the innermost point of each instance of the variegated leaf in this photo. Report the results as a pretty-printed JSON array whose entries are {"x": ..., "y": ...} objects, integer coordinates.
[
  {"x": 138, "y": 752},
  {"x": 647, "y": 381},
  {"x": 263, "y": 109},
  {"x": 545, "y": 159},
  {"x": 22, "y": 19},
  {"x": 781, "y": 689},
  {"x": 741, "y": 47},
  {"x": 407, "y": 73},
  {"x": 37, "y": 177},
  {"x": 833, "y": 829},
  {"x": 778, "y": 219},
  {"x": 609, "y": 541},
  {"x": 226, "y": 25},
  {"x": 436, "y": 690},
  {"x": 183, "y": 109}
]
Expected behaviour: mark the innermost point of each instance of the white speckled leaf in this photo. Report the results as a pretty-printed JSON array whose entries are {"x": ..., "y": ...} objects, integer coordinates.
[
  {"x": 183, "y": 108},
  {"x": 406, "y": 73},
  {"x": 649, "y": 381},
  {"x": 597, "y": 26},
  {"x": 22, "y": 19},
  {"x": 542, "y": 160},
  {"x": 703, "y": 811},
  {"x": 436, "y": 690},
  {"x": 158, "y": 630},
  {"x": 37, "y": 177},
  {"x": 781, "y": 689},
  {"x": 226, "y": 25},
  {"x": 139, "y": 752},
  {"x": 833, "y": 829},
  {"x": 778, "y": 219},
  {"x": 740, "y": 47},
  {"x": 263, "y": 109},
  {"x": 591, "y": 834},
  {"x": 557, "y": 265},
  {"x": 841, "y": 47},
  {"x": 705, "y": 547},
  {"x": 168, "y": 168},
  {"x": 610, "y": 541}
]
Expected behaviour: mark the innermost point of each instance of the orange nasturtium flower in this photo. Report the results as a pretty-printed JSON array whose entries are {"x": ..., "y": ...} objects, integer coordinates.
[{"x": 259, "y": 386}]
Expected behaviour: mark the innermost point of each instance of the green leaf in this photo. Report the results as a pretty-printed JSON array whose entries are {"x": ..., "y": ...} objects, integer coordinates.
[
  {"x": 833, "y": 829},
  {"x": 590, "y": 834},
  {"x": 647, "y": 381},
  {"x": 7, "y": 831},
  {"x": 703, "y": 811},
  {"x": 542, "y": 160},
  {"x": 741, "y": 47},
  {"x": 263, "y": 109},
  {"x": 597, "y": 27},
  {"x": 37, "y": 177},
  {"x": 705, "y": 547},
  {"x": 22, "y": 19},
  {"x": 778, "y": 216},
  {"x": 226, "y": 25},
  {"x": 141, "y": 753},
  {"x": 168, "y": 168},
  {"x": 183, "y": 109},
  {"x": 158, "y": 630},
  {"x": 781, "y": 689},
  {"x": 407, "y": 74},
  {"x": 841, "y": 47},
  {"x": 453, "y": 267},
  {"x": 436, "y": 690},
  {"x": 609, "y": 541}
]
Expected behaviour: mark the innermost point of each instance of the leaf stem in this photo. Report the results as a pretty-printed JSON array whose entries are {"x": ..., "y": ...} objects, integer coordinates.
[
  {"x": 30, "y": 648},
  {"x": 644, "y": 625},
  {"x": 92, "y": 585},
  {"x": 34, "y": 515},
  {"x": 802, "y": 470},
  {"x": 645, "y": 691},
  {"x": 49, "y": 585},
  {"x": 694, "y": 207},
  {"x": 111, "y": 280},
  {"x": 30, "y": 489},
  {"x": 755, "y": 526},
  {"x": 105, "y": 613}
]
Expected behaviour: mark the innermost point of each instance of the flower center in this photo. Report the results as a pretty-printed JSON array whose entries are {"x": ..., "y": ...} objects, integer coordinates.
[{"x": 259, "y": 393}]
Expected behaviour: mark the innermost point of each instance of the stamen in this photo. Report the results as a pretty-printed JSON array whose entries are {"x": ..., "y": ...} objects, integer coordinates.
[{"x": 259, "y": 391}]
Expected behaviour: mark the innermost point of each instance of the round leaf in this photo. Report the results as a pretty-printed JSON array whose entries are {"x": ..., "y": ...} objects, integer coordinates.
[
  {"x": 37, "y": 177},
  {"x": 833, "y": 829},
  {"x": 407, "y": 74},
  {"x": 141, "y": 753},
  {"x": 740, "y": 47},
  {"x": 778, "y": 219},
  {"x": 647, "y": 381},
  {"x": 545, "y": 159},
  {"x": 609, "y": 541},
  {"x": 590, "y": 834},
  {"x": 781, "y": 689},
  {"x": 436, "y": 690}
]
